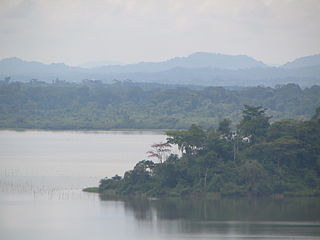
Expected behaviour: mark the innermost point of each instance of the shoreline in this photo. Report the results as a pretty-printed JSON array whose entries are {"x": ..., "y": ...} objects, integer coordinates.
[{"x": 209, "y": 195}]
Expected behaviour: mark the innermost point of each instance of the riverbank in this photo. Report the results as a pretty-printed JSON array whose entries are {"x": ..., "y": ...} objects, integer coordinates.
[
  {"x": 91, "y": 189},
  {"x": 209, "y": 195}
]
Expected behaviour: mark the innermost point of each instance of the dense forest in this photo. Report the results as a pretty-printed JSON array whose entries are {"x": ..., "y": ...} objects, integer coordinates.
[
  {"x": 127, "y": 105},
  {"x": 259, "y": 158}
]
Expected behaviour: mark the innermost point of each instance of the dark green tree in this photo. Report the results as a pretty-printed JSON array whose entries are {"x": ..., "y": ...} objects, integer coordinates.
[
  {"x": 225, "y": 127},
  {"x": 190, "y": 141},
  {"x": 254, "y": 123}
]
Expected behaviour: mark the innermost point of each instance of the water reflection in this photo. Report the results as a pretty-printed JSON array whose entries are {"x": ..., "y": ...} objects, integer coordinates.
[
  {"x": 42, "y": 173},
  {"x": 236, "y": 218},
  {"x": 288, "y": 209}
]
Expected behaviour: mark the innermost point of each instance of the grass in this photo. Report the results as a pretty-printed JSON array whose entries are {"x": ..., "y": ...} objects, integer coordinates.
[{"x": 91, "y": 189}]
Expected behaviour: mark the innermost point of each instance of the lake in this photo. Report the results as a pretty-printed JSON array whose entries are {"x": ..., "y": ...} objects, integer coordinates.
[{"x": 42, "y": 174}]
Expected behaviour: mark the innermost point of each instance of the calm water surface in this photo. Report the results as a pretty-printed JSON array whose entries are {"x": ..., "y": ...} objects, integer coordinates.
[{"x": 42, "y": 173}]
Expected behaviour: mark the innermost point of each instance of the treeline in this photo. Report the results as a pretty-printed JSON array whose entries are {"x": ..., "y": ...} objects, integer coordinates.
[
  {"x": 126, "y": 105},
  {"x": 256, "y": 159}
]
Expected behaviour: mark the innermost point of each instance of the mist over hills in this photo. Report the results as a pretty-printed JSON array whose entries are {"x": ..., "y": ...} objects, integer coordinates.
[
  {"x": 207, "y": 69},
  {"x": 309, "y": 61},
  {"x": 94, "y": 64},
  {"x": 195, "y": 60}
]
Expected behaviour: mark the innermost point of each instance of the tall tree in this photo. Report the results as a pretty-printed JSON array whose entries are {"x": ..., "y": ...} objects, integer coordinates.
[
  {"x": 160, "y": 151},
  {"x": 190, "y": 141},
  {"x": 225, "y": 127},
  {"x": 254, "y": 123}
]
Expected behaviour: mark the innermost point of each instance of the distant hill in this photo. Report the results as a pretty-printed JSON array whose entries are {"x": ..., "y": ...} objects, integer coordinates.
[
  {"x": 206, "y": 69},
  {"x": 17, "y": 66},
  {"x": 308, "y": 61},
  {"x": 196, "y": 60},
  {"x": 269, "y": 76},
  {"x": 20, "y": 70},
  {"x": 94, "y": 64}
]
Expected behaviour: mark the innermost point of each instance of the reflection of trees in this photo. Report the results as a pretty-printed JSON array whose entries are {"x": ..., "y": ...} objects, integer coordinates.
[
  {"x": 228, "y": 217},
  {"x": 141, "y": 208},
  {"x": 297, "y": 209}
]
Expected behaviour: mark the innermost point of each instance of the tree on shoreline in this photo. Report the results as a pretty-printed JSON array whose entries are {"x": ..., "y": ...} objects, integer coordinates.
[
  {"x": 282, "y": 159},
  {"x": 160, "y": 151}
]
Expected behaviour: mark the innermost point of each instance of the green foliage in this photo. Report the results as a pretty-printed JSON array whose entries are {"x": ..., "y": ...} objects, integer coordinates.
[
  {"x": 94, "y": 105},
  {"x": 259, "y": 158},
  {"x": 91, "y": 189},
  {"x": 189, "y": 142},
  {"x": 254, "y": 122},
  {"x": 284, "y": 160},
  {"x": 225, "y": 127}
]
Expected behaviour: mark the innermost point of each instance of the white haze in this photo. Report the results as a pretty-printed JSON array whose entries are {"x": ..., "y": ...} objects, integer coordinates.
[{"x": 77, "y": 31}]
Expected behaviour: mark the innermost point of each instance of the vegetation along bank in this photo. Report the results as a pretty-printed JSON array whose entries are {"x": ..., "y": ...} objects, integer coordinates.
[{"x": 259, "y": 158}]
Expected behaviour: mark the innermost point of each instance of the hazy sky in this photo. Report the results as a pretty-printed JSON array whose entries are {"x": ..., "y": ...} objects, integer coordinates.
[{"x": 76, "y": 31}]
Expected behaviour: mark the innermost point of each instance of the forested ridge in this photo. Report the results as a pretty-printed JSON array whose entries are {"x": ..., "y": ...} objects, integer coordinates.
[
  {"x": 127, "y": 105},
  {"x": 255, "y": 159}
]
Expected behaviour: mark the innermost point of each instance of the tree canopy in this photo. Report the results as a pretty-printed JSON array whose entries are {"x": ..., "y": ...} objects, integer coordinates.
[
  {"x": 126, "y": 105},
  {"x": 284, "y": 159}
]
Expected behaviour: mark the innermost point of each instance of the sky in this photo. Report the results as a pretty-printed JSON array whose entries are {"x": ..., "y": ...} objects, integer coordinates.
[{"x": 129, "y": 31}]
